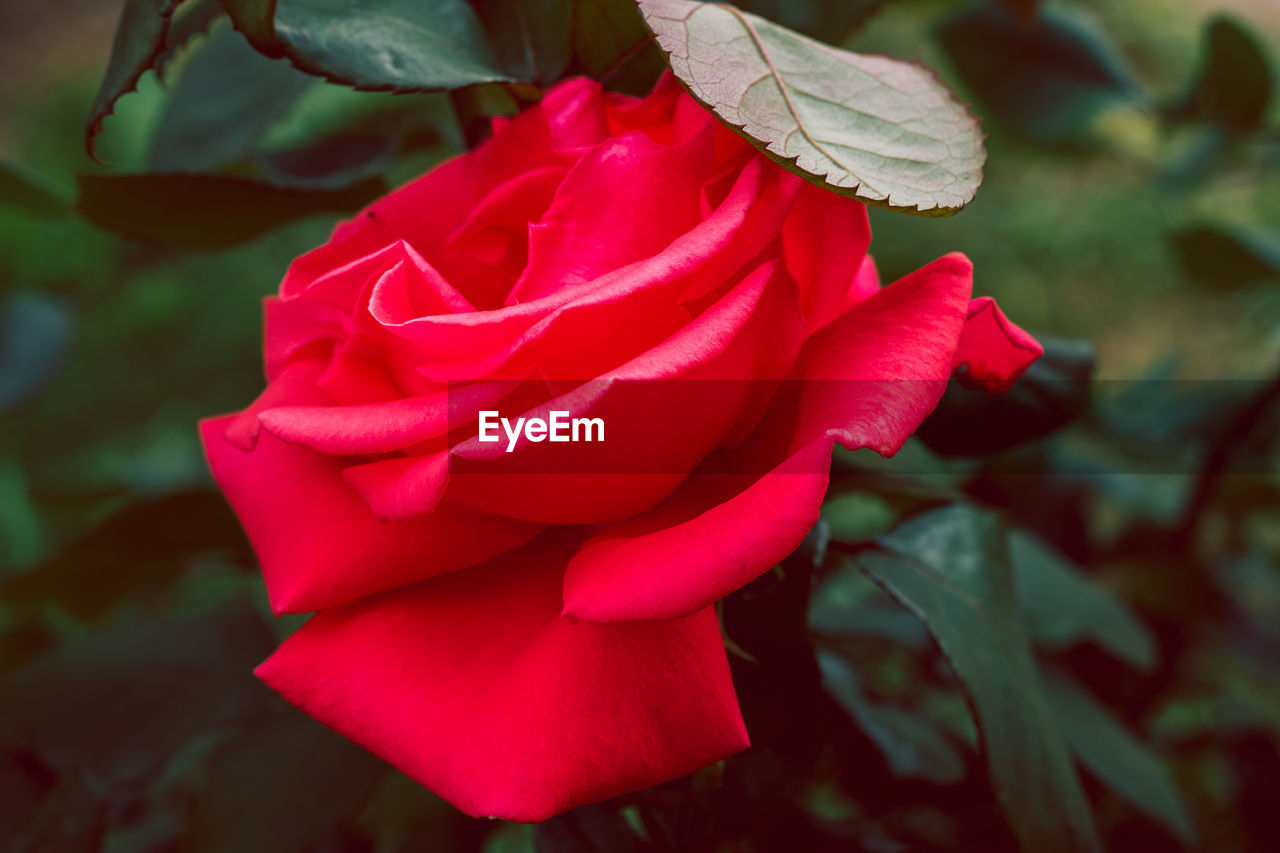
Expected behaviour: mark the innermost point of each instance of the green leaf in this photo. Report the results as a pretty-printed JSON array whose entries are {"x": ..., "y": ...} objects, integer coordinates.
[
  {"x": 857, "y": 516},
  {"x": 387, "y": 45},
  {"x": 118, "y": 703},
  {"x": 34, "y": 332},
  {"x": 1226, "y": 256},
  {"x": 912, "y": 745},
  {"x": 329, "y": 163},
  {"x": 846, "y": 603},
  {"x": 949, "y": 566},
  {"x": 27, "y": 190},
  {"x": 279, "y": 786},
  {"x": 829, "y": 20},
  {"x": 880, "y": 130},
  {"x": 226, "y": 98},
  {"x": 1112, "y": 753},
  {"x": 255, "y": 20},
  {"x": 1044, "y": 77},
  {"x": 143, "y": 546},
  {"x": 194, "y": 19},
  {"x": 1233, "y": 87},
  {"x": 139, "y": 41},
  {"x": 612, "y": 44},
  {"x": 531, "y": 39},
  {"x": 1063, "y": 607},
  {"x": 207, "y": 211}
]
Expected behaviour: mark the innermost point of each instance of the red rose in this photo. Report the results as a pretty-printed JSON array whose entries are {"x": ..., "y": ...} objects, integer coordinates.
[{"x": 523, "y": 643}]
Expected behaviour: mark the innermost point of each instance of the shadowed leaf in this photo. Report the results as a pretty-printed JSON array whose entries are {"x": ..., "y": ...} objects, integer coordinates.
[
  {"x": 329, "y": 163},
  {"x": 278, "y": 787},
  {"x": 34, "y": 332},
  {"x": 1044, "y": 76},
  {"x": 225, "y": 99},
  {"x": 612, "y": 44},
  {"x": 911, "y": 744},
  {"x": 1222, "y": 256},
  {"x": 1233, "y": 86},
  {"x": 117, "y": 703},
  {"x": 31, "y": 192},
  {"x": 1113, "y": 754},
  {"x": 949, "y": 566},
  {"x": 531, "y": 39},
  {"x": 139, "y": 41},
  {"x": 143, "y": 546},
  {"x": 1063, "y": 606},
  {"x": 207, "y": 211}
]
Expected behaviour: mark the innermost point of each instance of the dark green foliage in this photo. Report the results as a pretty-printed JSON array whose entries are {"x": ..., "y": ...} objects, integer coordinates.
[
  {"x": 1044, "y": 76},
  {"x": 1233, "y": 87},
  {"x": 140, "y": 40},
  {"x": 951, "y": 568},
  {"x": 34, "y": 331},
  {"x": 207, "y": 211},
  {"x": 387, "y": 45},
  {"x": 30, "y": 192},
  {"x": 224, "y": 100},
  {"x": 612, "y": 44},
  {"x": 1222, "y": 256},
  {"x": 532, "y": 41}
]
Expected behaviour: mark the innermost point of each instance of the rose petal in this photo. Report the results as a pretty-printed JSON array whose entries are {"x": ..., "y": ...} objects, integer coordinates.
[
  {"x": 417, "y": 213},
  {"x": 628, "y": 311},
  {"x": 478, "y": 688},
  {"x": 664, "y": 412},
  {"x": 383, "y": 427},
  {"x": 403, "y": 487},
  {"x": 626, "y": 200},
  {"x": 824, "y": 242},
  {"x": 708, "y": 539},
  {"x": 870, "y": 378},
  {"x": 993, "y": 349},
  {"x": 295, "y": 382},
  {"x": 410, "y": 287},
  {"x": 874, "y": 374},
  {"x": 317, "y": 541}
]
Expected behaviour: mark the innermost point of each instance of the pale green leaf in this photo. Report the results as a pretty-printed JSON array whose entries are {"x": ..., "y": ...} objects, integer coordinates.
[{"x": 884, "y": 131}]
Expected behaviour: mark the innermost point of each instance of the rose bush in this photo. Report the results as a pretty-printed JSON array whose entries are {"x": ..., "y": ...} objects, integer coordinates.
[{"x": 524, "y": 642}]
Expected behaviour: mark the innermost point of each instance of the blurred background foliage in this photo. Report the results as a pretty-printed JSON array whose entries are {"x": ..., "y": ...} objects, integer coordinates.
[{"x": 1117, "y": 510}]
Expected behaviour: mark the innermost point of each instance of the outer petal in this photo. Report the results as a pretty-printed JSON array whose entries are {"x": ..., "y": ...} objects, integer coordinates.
[
  {"x": 382, "y": 427},
  {"x": 709, "y": 538},
  {"x": 477, "y": 687},
  {"x": 869, "y": 379},
  {"x": 875, "y": 373},
  {"x": 993, "y": 349},
  {"x": 318, "y": 542}
]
